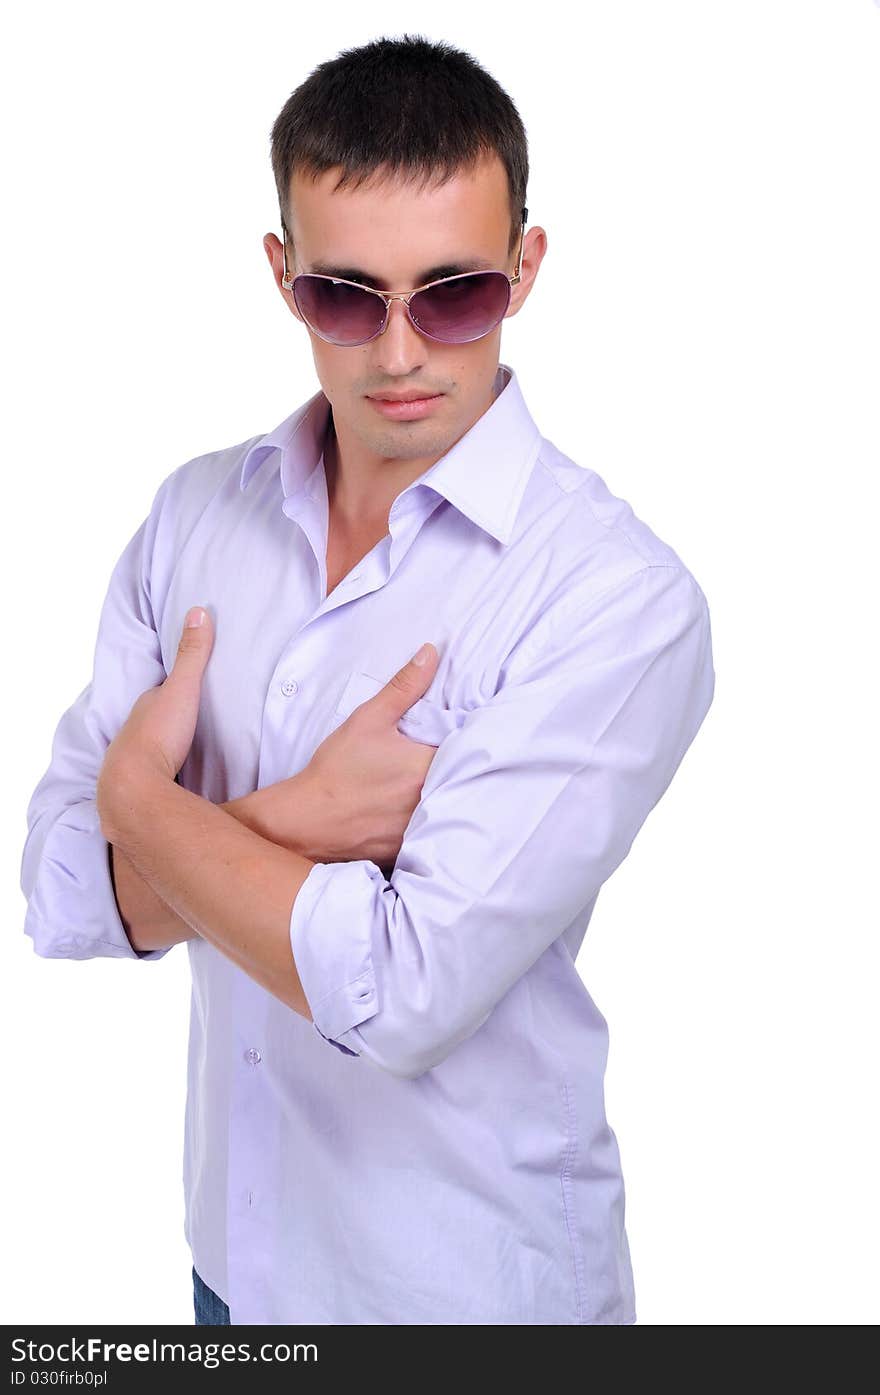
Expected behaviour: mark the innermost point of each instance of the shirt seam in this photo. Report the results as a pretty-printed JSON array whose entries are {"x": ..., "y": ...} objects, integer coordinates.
[
  {"x": 343, "y": 987},
  {"x": 585, "y": 502},
  {"x": 529, "y": 652},
  {"x": 568, "y": 1198},
  {"x": 569, "y": 1156}
]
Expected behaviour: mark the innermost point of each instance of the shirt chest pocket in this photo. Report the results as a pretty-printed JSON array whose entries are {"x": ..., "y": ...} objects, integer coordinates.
[{"x": 425, "y": 720}]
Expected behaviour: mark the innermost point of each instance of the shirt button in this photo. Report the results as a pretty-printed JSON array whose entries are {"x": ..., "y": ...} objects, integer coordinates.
[
  {"x": 289, "y": 686},
  {"x": 252, "y": 1056}
]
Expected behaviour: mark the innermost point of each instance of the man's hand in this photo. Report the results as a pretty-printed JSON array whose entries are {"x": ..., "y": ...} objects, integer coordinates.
[
  {"x": 357, "y": 794},
  {"x": 158, "y": 732},
  {"x": 353, "y": 800}
]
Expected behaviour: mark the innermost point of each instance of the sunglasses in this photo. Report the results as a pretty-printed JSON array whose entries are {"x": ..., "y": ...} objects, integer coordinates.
[{"x": 454, "y": 310}]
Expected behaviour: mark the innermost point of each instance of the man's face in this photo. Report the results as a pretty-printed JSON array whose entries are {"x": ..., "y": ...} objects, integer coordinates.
[{"x": 392, "y": 233}]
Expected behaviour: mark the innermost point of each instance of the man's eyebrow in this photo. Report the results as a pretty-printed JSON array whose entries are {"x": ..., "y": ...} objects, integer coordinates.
[{"x": 433, "y": 273}]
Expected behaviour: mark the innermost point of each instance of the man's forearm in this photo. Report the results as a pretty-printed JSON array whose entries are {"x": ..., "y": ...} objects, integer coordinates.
[
  {"x": 225, "y": 881},
  {"x": 149, "y": 922}
]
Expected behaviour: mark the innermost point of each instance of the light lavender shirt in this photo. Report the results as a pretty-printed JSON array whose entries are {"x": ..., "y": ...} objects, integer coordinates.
[{"x": 433, "y": 1147}]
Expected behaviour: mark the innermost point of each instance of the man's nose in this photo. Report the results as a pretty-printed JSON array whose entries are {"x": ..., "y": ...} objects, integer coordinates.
[{"x": 400, "y": 346}]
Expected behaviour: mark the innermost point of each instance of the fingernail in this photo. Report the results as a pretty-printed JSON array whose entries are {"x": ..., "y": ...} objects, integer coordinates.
[
  {"x": 196, "y": 616},
  {"x": 421, "y": 657}
]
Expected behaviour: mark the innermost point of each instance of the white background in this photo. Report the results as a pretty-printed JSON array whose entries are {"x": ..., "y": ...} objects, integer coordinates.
[{"x": 703, "y": 332}]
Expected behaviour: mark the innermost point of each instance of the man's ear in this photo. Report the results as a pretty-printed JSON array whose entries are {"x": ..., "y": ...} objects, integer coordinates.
[{"x": 274, "y": 250}]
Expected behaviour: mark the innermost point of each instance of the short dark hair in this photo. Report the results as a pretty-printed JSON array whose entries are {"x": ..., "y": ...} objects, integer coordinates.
[{"x": 422, "y": 111}]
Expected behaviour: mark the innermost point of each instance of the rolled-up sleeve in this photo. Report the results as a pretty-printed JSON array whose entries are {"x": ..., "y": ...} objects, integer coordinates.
[
  {"x": 527, "y": 809},
  {"x": 66, "y": 875}
]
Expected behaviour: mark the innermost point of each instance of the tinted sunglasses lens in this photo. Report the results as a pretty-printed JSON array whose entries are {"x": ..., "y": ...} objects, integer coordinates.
[
  {"x": 340, "y": 313},
  {"x": 462, "y": 308}
]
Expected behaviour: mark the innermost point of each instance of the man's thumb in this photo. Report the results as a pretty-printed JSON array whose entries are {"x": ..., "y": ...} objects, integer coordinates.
[
  {"x": 195, "y": 638},
  {"x": 195, "y": 617},
  {"x": 410, "y": 682}
]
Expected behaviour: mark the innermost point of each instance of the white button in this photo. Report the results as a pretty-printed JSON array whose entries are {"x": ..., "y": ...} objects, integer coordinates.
[
  {"x": 289, "y": 686},
  {"x": 252, "y": 1056}
]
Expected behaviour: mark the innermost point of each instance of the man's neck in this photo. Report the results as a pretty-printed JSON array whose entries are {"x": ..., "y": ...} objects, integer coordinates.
[
  {"x": 359, "y": 514},
  {"x": 356, "y": 505}
]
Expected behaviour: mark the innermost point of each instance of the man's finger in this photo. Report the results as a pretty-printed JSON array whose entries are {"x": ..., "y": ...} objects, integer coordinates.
[
  {"x": 196, "y": 639},
  {"x": 407, "y": 684}
]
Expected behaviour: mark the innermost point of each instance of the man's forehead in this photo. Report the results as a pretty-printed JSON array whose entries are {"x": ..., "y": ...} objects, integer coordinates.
[{"x": 366, "y": 239}]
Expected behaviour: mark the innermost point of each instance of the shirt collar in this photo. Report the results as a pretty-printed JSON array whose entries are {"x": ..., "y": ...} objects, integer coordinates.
[{"x": 484, "y": 474}]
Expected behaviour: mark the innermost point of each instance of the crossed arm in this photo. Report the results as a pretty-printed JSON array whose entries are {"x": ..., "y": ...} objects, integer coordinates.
[
  {"x": 149, "y": 922},
  {"x": 184, "y": 867},
  {"x": 527, "y": 809}
]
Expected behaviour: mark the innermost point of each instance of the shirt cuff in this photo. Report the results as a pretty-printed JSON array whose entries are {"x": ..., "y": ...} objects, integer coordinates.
[
  {"x": 73, "y": 913},
  {"x": 331, "y": 939}
]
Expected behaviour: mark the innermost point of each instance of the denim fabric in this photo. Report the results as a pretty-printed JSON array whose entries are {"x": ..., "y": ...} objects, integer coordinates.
[{"x": 210, "y": 1309}]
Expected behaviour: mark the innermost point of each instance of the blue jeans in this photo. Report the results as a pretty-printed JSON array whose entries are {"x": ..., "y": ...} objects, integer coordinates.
[{"x": 211, "y": 1311}]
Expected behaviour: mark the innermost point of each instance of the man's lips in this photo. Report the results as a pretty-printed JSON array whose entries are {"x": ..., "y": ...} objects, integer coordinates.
[
  {"x": 405, "y": 408},
  {"x": 404, "y": 397}
]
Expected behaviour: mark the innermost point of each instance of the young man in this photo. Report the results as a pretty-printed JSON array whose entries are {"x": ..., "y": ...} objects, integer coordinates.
[{"x": 383, "y": 870}]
